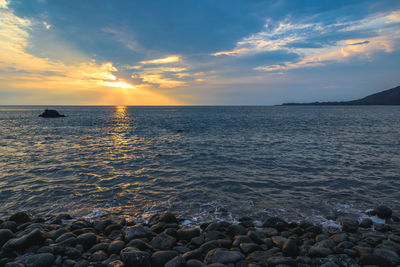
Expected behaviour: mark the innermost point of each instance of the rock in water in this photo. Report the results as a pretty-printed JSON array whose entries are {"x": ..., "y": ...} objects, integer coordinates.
[
  {"x": 50, "y": 113},
  {"x": 135, "y": 258},
  {"x": 383, "y": 212}
]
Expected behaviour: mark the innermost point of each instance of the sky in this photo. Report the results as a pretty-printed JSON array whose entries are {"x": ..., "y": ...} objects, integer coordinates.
[{"x": 196, "y": 52}]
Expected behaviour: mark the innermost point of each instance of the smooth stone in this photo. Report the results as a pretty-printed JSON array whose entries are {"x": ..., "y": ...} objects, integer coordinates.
[
  {"x": 163, "y": 241},
  {"x": 5, "y": 235},
  {"x": 72, "y": 253},
  {"x": 275, "y": 222},
  {"x": 348, "y": 224},
  {"x": 206, "y": 247},
  {"x": 82, "y": 263},
  {"x": 160, "y": 258},
  {"x": 388, "y": 255},
  {"x": 112, "y": 227},
  {"x": 374, "y": 260},
  {"x": 383, "y": 212},
  {"x": 256, "y": 236},
  {"x": 197, "y": 241},
  {"x": 366, "y": 223},
  {"x": 54, "y": 234},
  {"x": 261, "y": 256},
  {"x": 327, "y": 243},
  {"x": 37, "y": 260},
  {"x": 64, "y": 237},
  {"x": 289, "y": 248},
  {"x": 100, "y": 225},
  {"x": 98, "y": 256},
  {"x": 316, "y": 229},
  {"x": 115, "y": 247},
  {"x": 278, "y": 241},
  {"x": 196, "y": 254},
  {"x": 99, "y": 246},
  {"x": 319, "y": 252},
  {"x": 239, "y": 239},
  {"x": 135, "y": 232},
  {"x": 178, "y": 261},
  {"x": 270, "y": 231},
  {"x": 220, "y": 255},
  {"x": 115, "y": 263},
  {"x": 20, "y": 217},
  {"x": 140, "y": 244},
  {"x": 195, "y": 263},
  {"x": 11, "y": 225},
  {"x": 187, "y": 234},
  {"x": 135, "y": 258},
  {"x": 35, "y": 237},
  {"x": 340, "y": 237},
  {"x": 87, "y": 240},
  {"x": 277, "y": 260},
  {"x": 248, "y": 248},
  {"x": 168, "y": 217},
  {"x": 345, "y": 245},
  {"x": 14, "y": 264},
  {"x": 214, "y": 235},
  {"x": 236, "y": 229}
]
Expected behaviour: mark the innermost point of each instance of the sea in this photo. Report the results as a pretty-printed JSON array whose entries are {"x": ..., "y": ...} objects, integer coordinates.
[{"x": 203, "y": 163}]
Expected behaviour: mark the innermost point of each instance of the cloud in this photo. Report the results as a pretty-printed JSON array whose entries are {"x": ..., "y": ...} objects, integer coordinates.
[
  {"x": 382, "y": 30},
  {"x": 47, "y": 79},
  {"x": 170, "y": 59},
  {"x": 3, "y": 4}
]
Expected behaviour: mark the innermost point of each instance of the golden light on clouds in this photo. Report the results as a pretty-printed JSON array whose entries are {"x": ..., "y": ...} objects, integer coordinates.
[
  {"x": 44, "y": 77},
  {"x": 170, "y": 59}
]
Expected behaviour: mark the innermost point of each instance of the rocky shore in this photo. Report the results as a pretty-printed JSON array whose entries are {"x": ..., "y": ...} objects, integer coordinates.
[{"x": 164, "y": 241}]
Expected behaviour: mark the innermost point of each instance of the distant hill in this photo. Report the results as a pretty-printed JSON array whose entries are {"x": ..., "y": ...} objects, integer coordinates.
[{"x": 387, "y": 97}]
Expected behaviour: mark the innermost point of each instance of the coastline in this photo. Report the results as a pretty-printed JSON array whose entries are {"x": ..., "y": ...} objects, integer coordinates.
[{"x": 165, "y": 240}]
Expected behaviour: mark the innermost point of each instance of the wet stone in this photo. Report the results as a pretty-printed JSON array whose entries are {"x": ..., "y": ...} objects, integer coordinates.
[
  {"x": 220, "y": 255},
  {"x": 383, "y": 212},
  {"x": 162, "y": 241},
  {"x": 178, "y": 261},
  {"x": 135, "y": 258},
  {"x": 366, "y": 223},
  {"x": 37, "y": 260},
  {"x": 115, "y": 247},
  {"x": 159, "y": 258}
]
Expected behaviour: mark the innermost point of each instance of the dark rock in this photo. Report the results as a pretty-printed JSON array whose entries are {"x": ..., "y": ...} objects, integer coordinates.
[
  {"x": 112, "y": 227},
  {"x": 162, "y": 241},
  {"x": 248, "y": 248},
  {"x": 277, "y": 260},
  {"x": 98, "y": 256},
  {"x": 11, "y": 225},
  {"x": 327, "y": 243},
  {"x": 20, "y": 218},
  {"x": 159, "y": 258},
  {"x": 275, "y": 222},
  {"x": 220, "y": 255},
  {"x": 87, "y": 240},
  {"x": 5, "y": 235},
  {"x": 388, "y": 256},
  {"x": 290, "y": 247},
  {"x": 239, "y": 239},
  {"x": 115, "y": 247},
  {"x": 319, "y": 252},
  {"x": 197, "y": 241},
  {"x": 194, "y": 254},
  {"x": 135, "y": 232},
  {"x": 316, "y": 229},
  {"x": 64, "y": 237},
  {"x": 256, "y": 236},
  {"x": 382, "y": 227},
  {"x": 214, "y": 235},
  {"x": 72, "y": 253},
  {"x": 372, "y": 259},
  {"x": 50, "y": 113},
  {"x": 99, "y": 246},
  {"x": 340, "y": 237},
  {"x": 278, "y": 241},
  {"x": 115, "y": 263},
  {"x": 349, "y": 225},
  {"x": 187, "y": 234},
  {"x": 82, "y": 263},
  {"x": 236, "y": 229},
  {"x": 101, "y": 224},
  {"x": 79, "y": 225},
  {"x": 178, "y": 261},
  {"x": 346, "y": 244},
  {"x": 56, "y": 233},
  {"x": 14, "y": 264},
  {"x": 195, "y": 263},
  {"x": 140, "y": 244},
  {"x": 270, "y": 231},
  {"x": 135, "y": 258},
  {"x": 383, "y": 212},
  {"x": 366, "y": 223},
  {"x": 35, "y": 237},
  {"x": 168, "y": 217},
  {"x": 37, "y": 260}
]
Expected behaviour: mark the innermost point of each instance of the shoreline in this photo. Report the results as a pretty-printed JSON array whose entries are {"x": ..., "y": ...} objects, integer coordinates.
[{"x": 165, "y": 240}]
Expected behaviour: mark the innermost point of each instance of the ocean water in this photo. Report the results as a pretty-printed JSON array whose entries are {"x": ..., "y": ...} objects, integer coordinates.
[{"x": 297, "y": 162}]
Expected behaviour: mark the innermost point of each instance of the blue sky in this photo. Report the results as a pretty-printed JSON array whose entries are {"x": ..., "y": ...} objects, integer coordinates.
[{"x": 196, "y": 52}]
